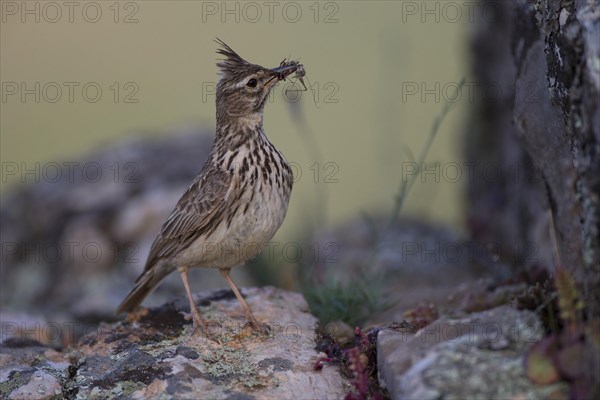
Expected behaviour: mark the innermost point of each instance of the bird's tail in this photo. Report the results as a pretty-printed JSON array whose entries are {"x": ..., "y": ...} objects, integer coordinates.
[{"x": 144, "y": 285}]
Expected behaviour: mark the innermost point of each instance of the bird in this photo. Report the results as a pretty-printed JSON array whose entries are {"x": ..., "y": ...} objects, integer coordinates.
[{"x": 237, "y": 202}]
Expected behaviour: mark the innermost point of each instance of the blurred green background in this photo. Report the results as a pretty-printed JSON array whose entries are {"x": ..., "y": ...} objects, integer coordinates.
[{"x": 357, "y": 54}]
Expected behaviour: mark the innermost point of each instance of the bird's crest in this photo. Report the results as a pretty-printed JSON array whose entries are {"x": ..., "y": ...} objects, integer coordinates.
[{"x": 232, "y": 63}]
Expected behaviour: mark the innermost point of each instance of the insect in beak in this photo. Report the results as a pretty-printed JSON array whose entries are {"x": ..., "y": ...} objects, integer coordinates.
[{"x": 286, "y": 68}]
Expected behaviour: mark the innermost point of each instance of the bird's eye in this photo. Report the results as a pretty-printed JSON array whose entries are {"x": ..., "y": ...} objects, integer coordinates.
[{"x": 252, "y": 83}]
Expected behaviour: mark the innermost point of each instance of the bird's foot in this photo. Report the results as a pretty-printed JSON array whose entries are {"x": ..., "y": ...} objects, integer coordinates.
[
  {"x": 204, "y": 332},
  {"x": 200, "y": 327}
]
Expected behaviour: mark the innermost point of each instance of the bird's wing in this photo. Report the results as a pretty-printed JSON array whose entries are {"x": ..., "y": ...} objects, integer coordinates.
[{"x": 201, "y": 207}]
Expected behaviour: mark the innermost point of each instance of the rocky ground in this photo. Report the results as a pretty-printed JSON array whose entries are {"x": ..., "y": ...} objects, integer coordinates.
[
  {"x": 480, "y": 356},
  {"x": 152, "y": 354}
]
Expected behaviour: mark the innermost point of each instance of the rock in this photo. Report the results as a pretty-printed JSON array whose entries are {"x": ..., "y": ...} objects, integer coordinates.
[
  {"x": 153, "y": 354},
  {"x": 479, "y": 356},
  {"x": 541, "y": 132},
  {"x": 41, "y": 385},
  {"x": 29, "y": 370}
]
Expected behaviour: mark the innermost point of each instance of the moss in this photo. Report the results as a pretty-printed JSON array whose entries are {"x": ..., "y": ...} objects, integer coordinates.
[
  {"x": 15, "y": 380},
  {"x": 122, "y": 389},
  {"x": 156, "y": 349},
  {"x": 227, "y": 361},
  {"x": 231, "y": 365},
  {"x": 125, "y": 388}
]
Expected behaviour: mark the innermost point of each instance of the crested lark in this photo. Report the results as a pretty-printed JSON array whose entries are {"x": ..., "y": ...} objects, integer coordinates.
[{"x": 240, "y": 198}]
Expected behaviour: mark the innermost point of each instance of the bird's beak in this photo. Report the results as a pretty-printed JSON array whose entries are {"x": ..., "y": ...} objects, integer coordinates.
[{"x": 280, "y": 73}]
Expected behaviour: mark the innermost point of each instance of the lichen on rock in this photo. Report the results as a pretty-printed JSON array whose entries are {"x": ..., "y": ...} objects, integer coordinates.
[{"x": 153, "y": 355}]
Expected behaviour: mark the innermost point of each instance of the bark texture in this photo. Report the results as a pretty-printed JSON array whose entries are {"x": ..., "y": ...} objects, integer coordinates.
[{"x": 543, "y": 131}]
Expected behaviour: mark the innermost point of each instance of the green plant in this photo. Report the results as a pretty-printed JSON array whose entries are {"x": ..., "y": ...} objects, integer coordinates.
[{"x": 352, "y": 302}]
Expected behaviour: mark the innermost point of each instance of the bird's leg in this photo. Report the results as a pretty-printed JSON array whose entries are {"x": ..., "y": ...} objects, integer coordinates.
[
  {"x": 258, "y": 326},
  {"x": 196, "y": 318}
]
